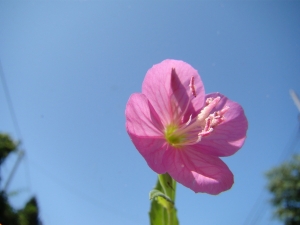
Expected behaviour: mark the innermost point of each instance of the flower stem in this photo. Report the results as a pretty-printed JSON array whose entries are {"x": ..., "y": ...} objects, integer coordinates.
[
  {"x": 170, "y": 216},
  {"x": 169, "y": 186},
  {"x": 166, "y": 182}
]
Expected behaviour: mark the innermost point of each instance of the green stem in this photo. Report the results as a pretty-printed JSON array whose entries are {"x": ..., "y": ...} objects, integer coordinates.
[
  {"x": 168, "y": 185},
  {"x": 170, "y": 216},
  {"x": 166, "y": 182}
]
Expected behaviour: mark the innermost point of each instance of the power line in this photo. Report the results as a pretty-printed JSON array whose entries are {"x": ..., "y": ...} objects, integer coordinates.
[
  {"x": 10, "y": 103},
  {"x": 290, "y": 149},
  {"x": 259, "y": 208},
  {"x": 20, "y": 157},
  {"x": 71, "y": 189},
  {"x": 15, "y": 124}
]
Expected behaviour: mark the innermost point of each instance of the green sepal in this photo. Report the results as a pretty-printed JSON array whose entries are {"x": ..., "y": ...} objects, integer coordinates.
[
  {"x": 168, "y": 185},
  {"x": 161, "y": 198}
]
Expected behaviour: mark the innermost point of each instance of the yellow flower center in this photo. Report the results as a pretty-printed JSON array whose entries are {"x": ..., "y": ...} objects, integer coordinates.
[{"x": 172, "y": 138}]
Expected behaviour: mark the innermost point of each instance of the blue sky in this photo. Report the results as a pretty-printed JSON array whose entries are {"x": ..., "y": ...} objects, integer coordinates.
[{"x": 71, "y": 66}]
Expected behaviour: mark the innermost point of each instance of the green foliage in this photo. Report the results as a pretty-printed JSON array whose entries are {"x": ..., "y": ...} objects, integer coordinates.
[
  {"x": 29, "y": 214},
  {"x": 8, "y": 215},
  {"x": 284, "y": 184},
  {"x": 162, "y": 211},
  {"x": 26, "y": 216},
  {"x": 7, "y": 145}
]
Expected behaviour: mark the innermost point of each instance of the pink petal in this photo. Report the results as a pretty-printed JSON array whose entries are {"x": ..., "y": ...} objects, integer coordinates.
[
  {"x": 153, "y": 150},
  {"x": 229, "y": 136},
  {"x": 145, "y": 131},
  {"x": 141, "y": 118},
  {"x": 197, "y": 171},
  {"x": 165, "y": 93}
]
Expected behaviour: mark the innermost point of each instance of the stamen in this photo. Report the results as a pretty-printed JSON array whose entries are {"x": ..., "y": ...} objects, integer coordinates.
[
  {"x": 188, "y": 122},
  {"x": 199, "y": 138},
  {"x": 192, "y": 86},
  {"x": 224, "y": 110},
  {"x": 207, "y": 109},
  {"x": 192, "y": 131},
  {"x": 208, "y": 121},
  {"x": 205, "y": 133},
  {"x": 218, "y": 117},
  {"x": 208, "y": 101}
]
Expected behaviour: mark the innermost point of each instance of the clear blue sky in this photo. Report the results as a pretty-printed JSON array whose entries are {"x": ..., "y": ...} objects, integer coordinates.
[{"x": 71, "y": 66}]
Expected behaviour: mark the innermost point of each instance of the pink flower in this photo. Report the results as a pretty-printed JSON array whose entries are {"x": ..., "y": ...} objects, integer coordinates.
[{"x": 181, "y": 131}]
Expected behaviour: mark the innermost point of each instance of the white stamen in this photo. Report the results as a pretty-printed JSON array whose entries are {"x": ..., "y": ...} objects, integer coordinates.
[
  {"x": 192, "y": 86},
  {"x": 188, "y": 122}
]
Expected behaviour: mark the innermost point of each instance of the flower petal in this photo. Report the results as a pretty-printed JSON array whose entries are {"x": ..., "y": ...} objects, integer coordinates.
[
  {"x": 145, "y": 131},
  {"x": 229, "y": 136},
  {"x": 167, "y": 92},
  {"x": 153, "y": 150},
  {"x": 141, "y": 118},
  {"x": 197, "y": 171}
]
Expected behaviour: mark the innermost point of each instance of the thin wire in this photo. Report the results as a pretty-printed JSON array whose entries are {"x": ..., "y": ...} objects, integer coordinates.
[
  {"x": 82, "y": 195},
  {"x": 67, "y": 187},
  {"x": 259, "y": 208},
  {"x": 20, "y": 157},
  {"x": 14, "y": 118},
  {"x": 10, "y": 104},
  {"x": 256, "y": 208},
  {"x": 27, "y": 172},
  {"x": 287, "y": 152}
]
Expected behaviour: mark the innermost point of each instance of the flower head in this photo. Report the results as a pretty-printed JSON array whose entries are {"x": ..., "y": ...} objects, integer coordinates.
[{"x": 181, "y": 131}]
